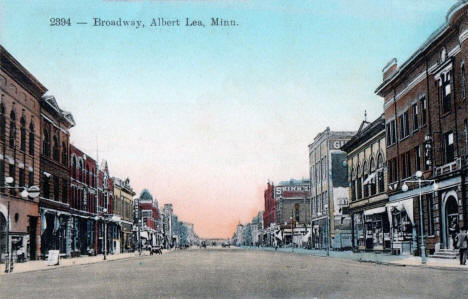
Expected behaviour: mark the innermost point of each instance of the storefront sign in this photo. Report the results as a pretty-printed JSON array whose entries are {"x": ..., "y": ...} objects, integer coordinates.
[
  {"x": 53, "y": 258},
  {"x": 336, "y": 144}
]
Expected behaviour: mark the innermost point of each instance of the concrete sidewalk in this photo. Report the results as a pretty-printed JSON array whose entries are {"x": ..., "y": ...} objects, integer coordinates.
[
  {"x": 66, "y": 262},
  {"x": 378, "y": 258}
]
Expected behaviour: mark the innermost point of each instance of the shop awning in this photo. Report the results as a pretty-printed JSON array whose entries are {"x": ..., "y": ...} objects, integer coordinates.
[
  {"x": 375, "y": 211},
  {"x": 144, "y": 235},
  {"x": 406, "y": 204}
]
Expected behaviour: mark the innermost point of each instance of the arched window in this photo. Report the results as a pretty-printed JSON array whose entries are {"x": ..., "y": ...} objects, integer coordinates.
[
  {"x": 2, "y": 123},
  {"x": 373, "y": 185},
  {"x": 73, "y": 168},
  {"x": 353, "y": 186},
  {"x": 64, "y": 154},
  {"x": 463, "y": 81},
  {"x": 359, "y": 182},
  {"x": 380, "y": 173},
  {"x": 46, "y": 143},
  {"x": 23, "y": 134},
  {"x": 55, "y": 148},
  {"x": 80, "y": 171},
  {"x": 12, "y": 129},
  {"x": 365, "y": 172},
  {"x": 31, "y": 138},
  {"x": 87, "y": 175}
]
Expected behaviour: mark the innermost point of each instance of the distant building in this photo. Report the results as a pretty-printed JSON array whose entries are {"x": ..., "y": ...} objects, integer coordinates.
[
  {"x": 123, "y": 207},
  {"x": 367, "y": 177},
  {"x": 293, "y": 209},
  {"x": 329, "y": 190}
]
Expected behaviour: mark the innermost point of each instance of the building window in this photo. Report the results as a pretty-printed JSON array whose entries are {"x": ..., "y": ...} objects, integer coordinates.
[
  {"x": 87, "y": 175},
  {"x": 415, "y": 117},
  {"x": 21, "y": 177},
  {"x": 64, "y": 154},
  {"x": 365, "y": 174},
  {"x": 423, "y": 105},
  {"x": 408, "y": 164},
  {"x": 446, "y": 93},
  {"x": 449, "y": 153},
  {"x": 23, "y": 134},
  {"x": 391, "y": 132},
  {"x": 46, "y": 143},
  {"x": 64, "y": 191},
  {"x": 73, "y": 167},
  {"x": 12, "y": 138},
  {"x": 417, "y": 158},
  {"x": 31, "y": 178},
  {"x": 380, "y": 174},
  {"x": 359, "y": 183},
  {"x": 56, "y": 188},
  {"x": 55, "y": 149},
  {"x": 430, "y": 215},
  {"x": 2, "y": 174},
  {"x": 46, "y": 187},
  {"x": 80, "y": 171},
  {"x": 31, "y": 139},
  {"x": 12, "y": 173},
  {"x": 2, "y": 123},
  {"x": 463, "y": 82}
]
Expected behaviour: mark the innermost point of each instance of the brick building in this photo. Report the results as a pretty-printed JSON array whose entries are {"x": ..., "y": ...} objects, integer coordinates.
[
  {"x": 367, "y": 178},
  {"x": 20, "y": 92},
  {"x": 83, "y": 202},
  {"x": 293, "y": 209},
  {"x": 54, "y": 202},
  {"x": 108, "y": 223},
  {"x": 426, "y": 114},
  {"x": 269, "y": 215}
]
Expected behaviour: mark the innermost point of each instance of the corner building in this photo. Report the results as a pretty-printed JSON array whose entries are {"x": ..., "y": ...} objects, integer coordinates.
[
  {"x": 20, "y": 91},
  {"x": 426, "y": 112}
]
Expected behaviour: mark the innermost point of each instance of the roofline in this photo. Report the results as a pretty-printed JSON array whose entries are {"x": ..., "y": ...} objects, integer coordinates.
[{"x": 427, "y": 44}]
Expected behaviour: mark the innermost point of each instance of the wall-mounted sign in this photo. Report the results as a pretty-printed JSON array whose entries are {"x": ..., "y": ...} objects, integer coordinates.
[{"x": 336, "y": 144}]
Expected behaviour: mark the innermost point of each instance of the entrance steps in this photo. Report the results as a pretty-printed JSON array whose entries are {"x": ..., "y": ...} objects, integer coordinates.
[{"x": 445, "y": 254}]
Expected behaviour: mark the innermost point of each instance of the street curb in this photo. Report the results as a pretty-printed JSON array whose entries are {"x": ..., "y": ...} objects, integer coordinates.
[
  {"x": 370, "y": 261},
  {"x": 72, "y": 265}
]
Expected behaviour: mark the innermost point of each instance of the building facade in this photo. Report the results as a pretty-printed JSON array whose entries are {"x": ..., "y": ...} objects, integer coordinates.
[
  {"x": 329, "y": 190},
  {"x": 20, "y": 92},
  {"x": 123, "y": 207},
  {"x": 84, "y": 206},
  {"x": 426, "y": 114},
  {"x": 54, "y": 203},
  {"x": 293, "y": 209},
  {"x": 367, "y": 176},
  {"x": 168, "y": 212}
]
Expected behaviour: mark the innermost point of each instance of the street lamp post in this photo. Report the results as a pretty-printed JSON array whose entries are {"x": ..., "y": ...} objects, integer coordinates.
[
  {"x": 404, "y": 188},
  {"x": 105, "y": 232}
]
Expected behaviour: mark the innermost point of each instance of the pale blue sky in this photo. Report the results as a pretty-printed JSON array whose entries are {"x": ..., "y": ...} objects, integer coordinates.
[{"x": 203, "y": 117}]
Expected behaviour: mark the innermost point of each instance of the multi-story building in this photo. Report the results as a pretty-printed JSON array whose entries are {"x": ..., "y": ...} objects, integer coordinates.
[
  {"x": 123, "y": 207},
  {"x": 329, "y": 190},
  {"x": 293, "y": 209},
  {"x": 20, "y": 92},
  {"x": 168, "y": 212},
  {"x": 149, "y": 216},
  {"x": 108, "y": 223},
  {"x": 54, "y": 201},
  {"x": 83, "y": 203},
  {"x": 426, "y": 114},
  {"x": 367, "y": 179},
  {"x": 269, "y": 215}
]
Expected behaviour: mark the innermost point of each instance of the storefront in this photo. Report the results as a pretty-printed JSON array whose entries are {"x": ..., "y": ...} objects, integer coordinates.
[
  {"x": 377, "y": 229},
  {"x": 55, "y": 232},
  {"x": 403, "y": 230}
]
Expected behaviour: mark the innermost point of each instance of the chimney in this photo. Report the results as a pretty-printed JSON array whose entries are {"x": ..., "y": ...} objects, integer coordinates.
[{"x": 390, "y": 69}]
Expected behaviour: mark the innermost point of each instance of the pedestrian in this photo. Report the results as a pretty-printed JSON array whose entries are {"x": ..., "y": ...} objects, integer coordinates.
[{"x": 463, "y": 244}]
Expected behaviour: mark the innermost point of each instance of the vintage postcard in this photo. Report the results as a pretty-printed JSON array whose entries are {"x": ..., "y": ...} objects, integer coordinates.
[{"x": 233, "y": 149}]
